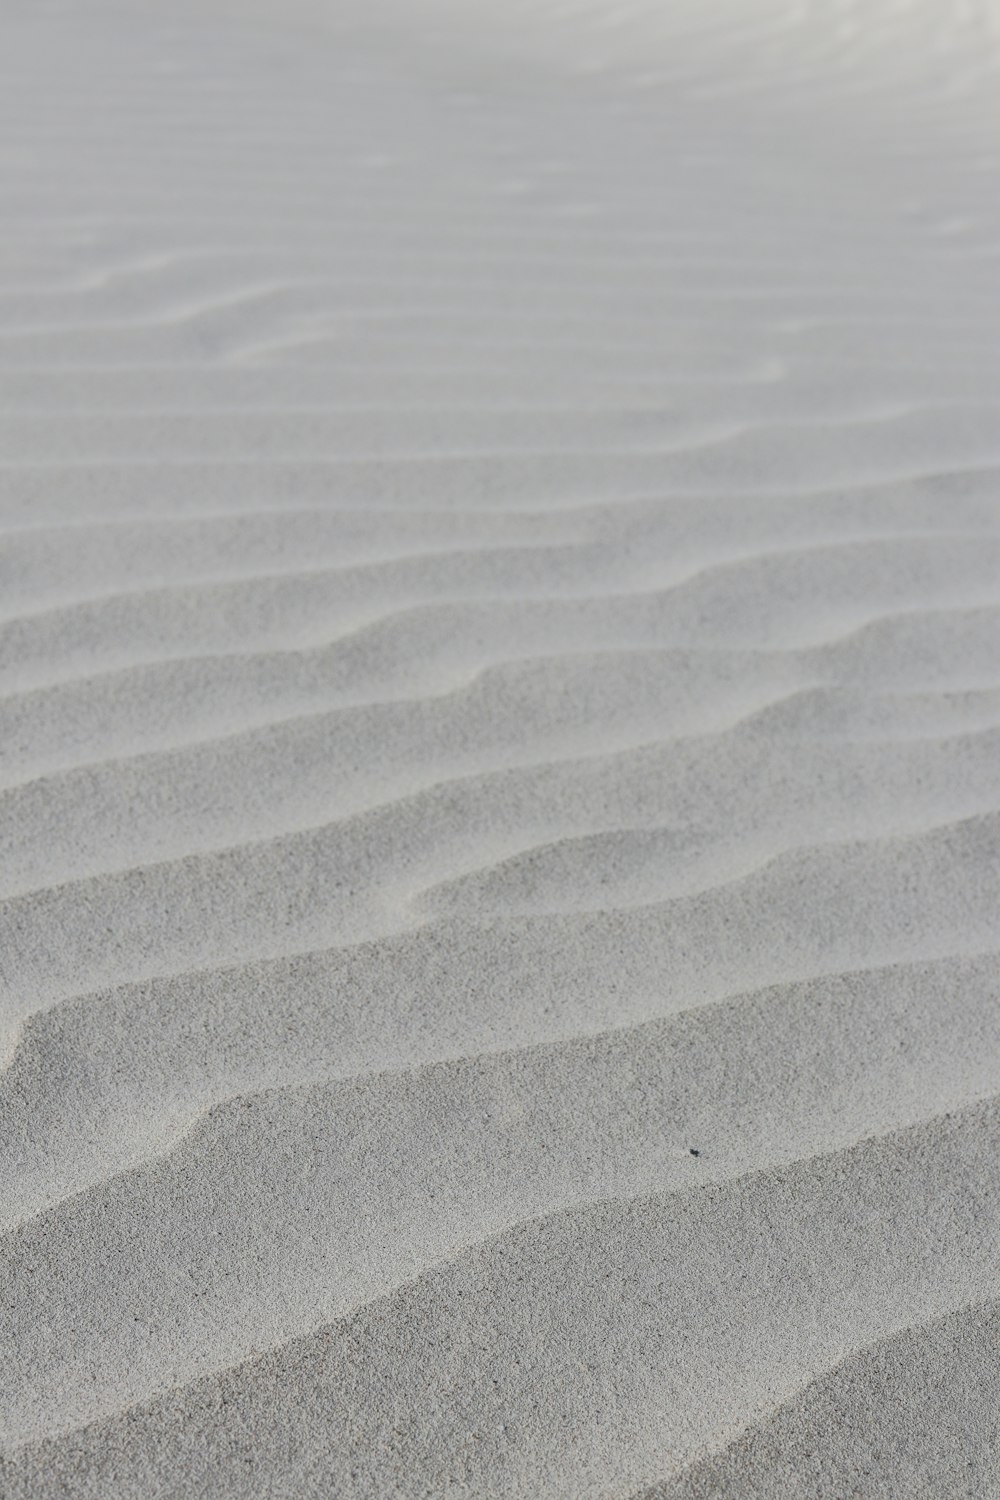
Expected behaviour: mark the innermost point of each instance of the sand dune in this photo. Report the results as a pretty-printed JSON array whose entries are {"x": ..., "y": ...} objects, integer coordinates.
[
  {"x": 478, "y": 1361},
  {"x": 499, "y": 750},
  {"x": 925, "y": 1399}
]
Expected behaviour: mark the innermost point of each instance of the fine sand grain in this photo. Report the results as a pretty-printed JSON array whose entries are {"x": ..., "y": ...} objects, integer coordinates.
[{"x": 500, "y": 750}]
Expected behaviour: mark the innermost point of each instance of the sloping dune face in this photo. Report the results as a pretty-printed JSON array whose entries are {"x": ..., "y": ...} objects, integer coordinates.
[{"x": 500, "y": 750}]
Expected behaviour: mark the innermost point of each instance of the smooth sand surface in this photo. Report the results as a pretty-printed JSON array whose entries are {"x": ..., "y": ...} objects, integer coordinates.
[{"x": 500, "y": 749}]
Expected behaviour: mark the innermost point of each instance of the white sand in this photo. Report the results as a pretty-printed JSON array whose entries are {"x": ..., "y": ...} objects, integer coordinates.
[{"x": 500, "y": 749}]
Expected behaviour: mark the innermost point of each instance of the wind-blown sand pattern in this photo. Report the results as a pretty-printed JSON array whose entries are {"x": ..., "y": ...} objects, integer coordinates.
[{"x": 500, "y": 750}]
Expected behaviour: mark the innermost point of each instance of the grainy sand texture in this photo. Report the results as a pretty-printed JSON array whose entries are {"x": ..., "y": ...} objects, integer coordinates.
[{"x": 500, "y": 749}]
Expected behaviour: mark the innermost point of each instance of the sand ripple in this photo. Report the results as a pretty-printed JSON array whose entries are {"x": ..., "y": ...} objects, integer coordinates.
[{"x": 499, "y": 751}]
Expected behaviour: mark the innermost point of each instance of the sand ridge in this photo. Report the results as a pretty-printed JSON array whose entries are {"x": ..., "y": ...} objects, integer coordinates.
[{"x": 499, "y": 726}]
